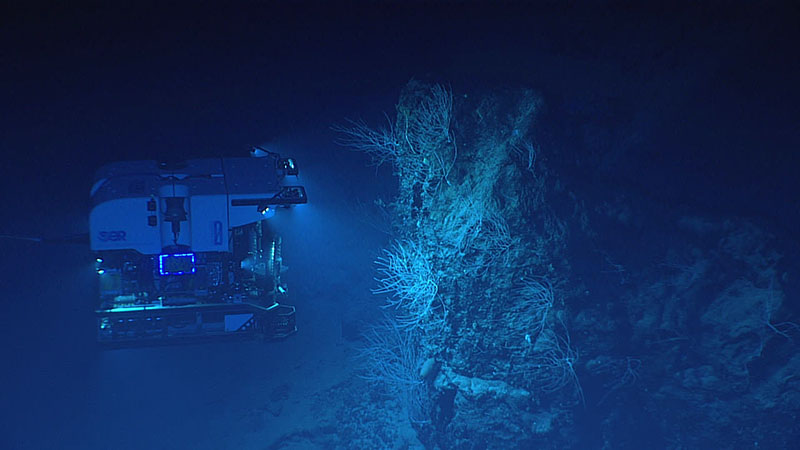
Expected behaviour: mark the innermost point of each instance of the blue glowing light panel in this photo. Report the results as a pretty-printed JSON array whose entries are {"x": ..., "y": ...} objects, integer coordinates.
[{"x": 176, "y": 264}]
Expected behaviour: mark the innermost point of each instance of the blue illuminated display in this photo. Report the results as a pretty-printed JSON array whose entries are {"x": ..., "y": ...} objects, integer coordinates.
[{"x": 176, "y": 264}]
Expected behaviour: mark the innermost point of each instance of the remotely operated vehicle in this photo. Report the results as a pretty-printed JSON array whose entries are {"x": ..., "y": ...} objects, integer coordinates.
[{"x": 185, "y": 250}]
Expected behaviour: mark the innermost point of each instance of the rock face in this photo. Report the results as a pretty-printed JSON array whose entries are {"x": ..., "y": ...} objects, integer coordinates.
[
  {"x": 476, "y": 272},
  {"x": 533, "y": 307}
]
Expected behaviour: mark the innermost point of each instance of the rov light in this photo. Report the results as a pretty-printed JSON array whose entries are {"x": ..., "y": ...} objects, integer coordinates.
[
  {"x": 176, "y": 264},
  {"x": 288, "y": 166}
]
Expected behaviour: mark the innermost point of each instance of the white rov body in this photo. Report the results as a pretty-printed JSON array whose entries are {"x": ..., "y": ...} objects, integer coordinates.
[{"x": 186, "y": 250}]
